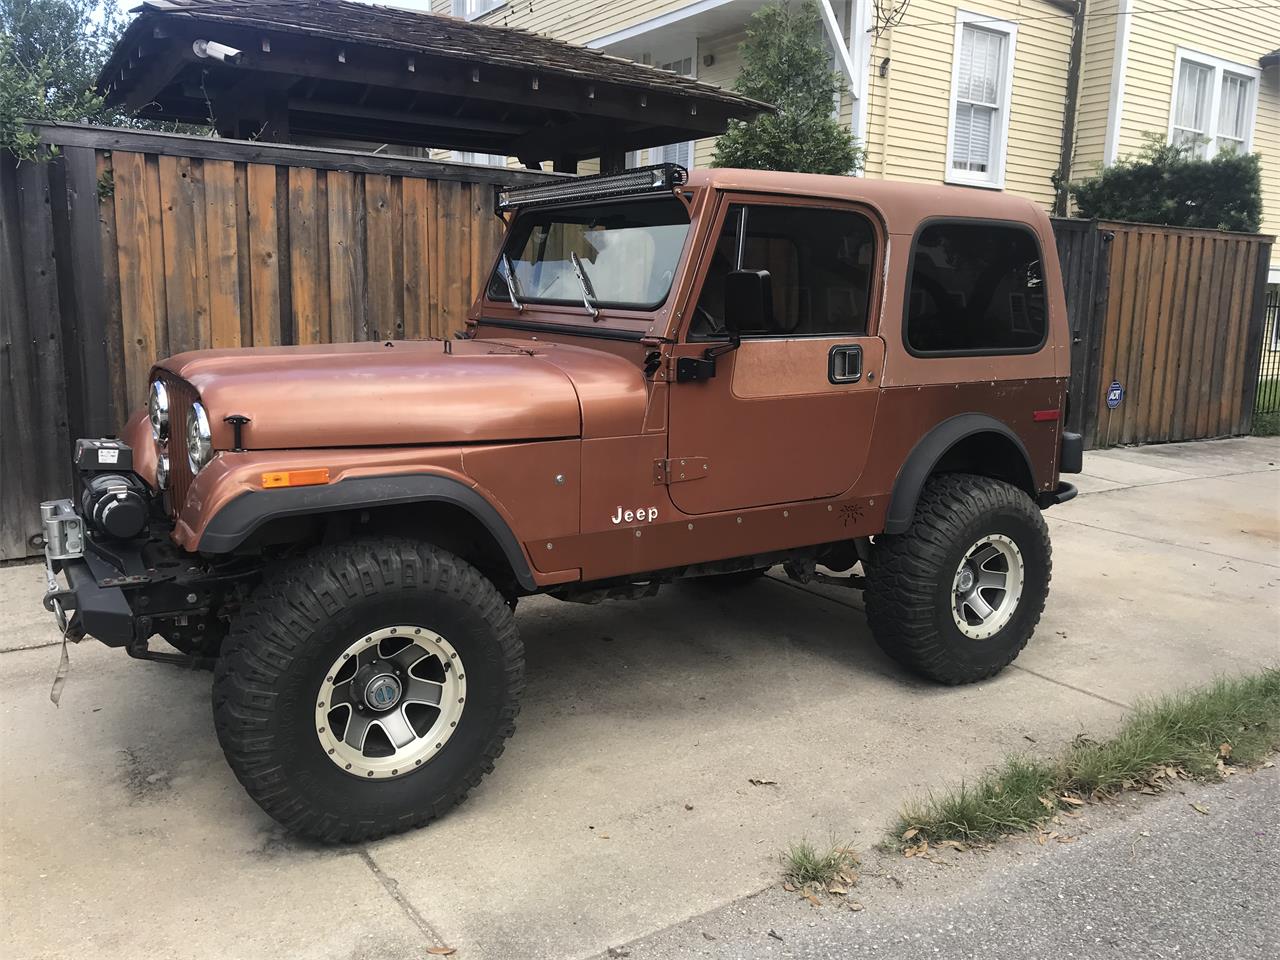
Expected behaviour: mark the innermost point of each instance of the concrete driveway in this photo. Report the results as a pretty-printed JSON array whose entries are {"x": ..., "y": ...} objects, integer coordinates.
[{"x": 623, "y": 804}]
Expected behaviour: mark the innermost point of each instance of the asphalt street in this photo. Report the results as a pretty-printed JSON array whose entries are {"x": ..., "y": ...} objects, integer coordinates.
[{"x": 1146, "y": 878}]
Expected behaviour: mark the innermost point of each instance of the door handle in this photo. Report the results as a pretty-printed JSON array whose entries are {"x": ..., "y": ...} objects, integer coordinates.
[{"x": 844, "y": 363}]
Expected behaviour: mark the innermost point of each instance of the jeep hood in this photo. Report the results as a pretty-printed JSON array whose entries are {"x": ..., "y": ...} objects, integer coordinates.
[{"x": 401, "y": 393}]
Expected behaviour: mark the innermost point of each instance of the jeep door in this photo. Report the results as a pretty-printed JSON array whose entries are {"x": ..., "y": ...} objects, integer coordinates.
[{"x": 788, "y": 415}]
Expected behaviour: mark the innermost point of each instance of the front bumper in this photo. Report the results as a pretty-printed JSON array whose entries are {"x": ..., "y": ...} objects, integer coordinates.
[
  {"x": 120, "y": 592},
  {"x": 84, "y": 607}
]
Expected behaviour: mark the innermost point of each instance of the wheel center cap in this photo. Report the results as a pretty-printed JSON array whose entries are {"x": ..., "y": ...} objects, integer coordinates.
[
  {"x": 964, "y": 582},
  {"x": 382, "y": 692}
]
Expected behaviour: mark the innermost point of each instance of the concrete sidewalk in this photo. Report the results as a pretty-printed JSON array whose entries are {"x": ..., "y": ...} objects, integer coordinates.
[{"x": 623, "y": 804}]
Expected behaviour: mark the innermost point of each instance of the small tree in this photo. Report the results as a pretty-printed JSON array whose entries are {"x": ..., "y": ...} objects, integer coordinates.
[
  {"x": 1166, "y": 184},
  {"x": 50, "y": 55},
  {"x": 784, "y": 63}
]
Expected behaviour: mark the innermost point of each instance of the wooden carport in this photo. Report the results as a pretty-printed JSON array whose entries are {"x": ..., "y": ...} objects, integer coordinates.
[{"x": 299, "y": 70}]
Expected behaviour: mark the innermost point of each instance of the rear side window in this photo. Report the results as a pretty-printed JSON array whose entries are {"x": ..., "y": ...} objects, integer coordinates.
[{"x": 975, "y": 288}]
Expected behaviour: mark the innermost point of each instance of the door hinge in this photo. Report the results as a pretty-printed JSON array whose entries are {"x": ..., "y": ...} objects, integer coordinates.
[{"x": 680, "y": 469}]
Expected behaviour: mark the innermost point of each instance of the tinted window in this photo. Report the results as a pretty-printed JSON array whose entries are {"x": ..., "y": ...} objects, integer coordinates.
[
  {"x": 975, "y": 288},
  {"x": 819, "y": 262},
  {"x": 628, "y": 251}
]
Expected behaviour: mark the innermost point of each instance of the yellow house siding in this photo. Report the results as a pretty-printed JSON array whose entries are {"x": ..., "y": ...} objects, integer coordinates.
[
  {"x": 908, "y": 140},
  {"x": 1241, "y": 37},
  {"x": 577, "y": 21},
  {"x": 722, "y": 73},
  {"x": 1093, "y": 105}
]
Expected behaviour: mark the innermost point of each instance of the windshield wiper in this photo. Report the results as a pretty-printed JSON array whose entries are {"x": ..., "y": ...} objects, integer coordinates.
[
  {"x": 588, "y": 294},
  {"x": 513, "y": 285}
]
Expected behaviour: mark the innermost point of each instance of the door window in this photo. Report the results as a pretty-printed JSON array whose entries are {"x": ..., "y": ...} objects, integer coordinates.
[
  {"x": 975, "y": 288},
  {"x": 819, "y": 262}
]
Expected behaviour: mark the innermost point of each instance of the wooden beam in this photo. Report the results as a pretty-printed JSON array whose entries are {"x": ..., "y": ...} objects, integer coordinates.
[
  {"x": 336, "y": 109},
  {"x": 289, "y": 155},
  {"x": 150, "y": 80}
]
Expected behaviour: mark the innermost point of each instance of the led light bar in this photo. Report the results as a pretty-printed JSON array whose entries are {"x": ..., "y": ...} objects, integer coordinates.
[{"x": 659, "y": 178}]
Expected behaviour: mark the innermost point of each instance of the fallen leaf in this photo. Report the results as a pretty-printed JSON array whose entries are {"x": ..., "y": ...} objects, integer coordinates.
[
  {"x": 813, "y": 900},
  {"x": 907, "y": 835},
  {"x": 1048, "y": 803},
  {"x": 1074, "y": 801},
  {"x": 688, "y": 806},
  {"x": 707, "y": 936},
  {"x": 1224, "y": 750},
  {"x": 1068, "y": 839},
  {"x": 954, "y": 845},
  {"x": 761, "y": 782},
  {"x": 619, "y": 951},
  {"x": 442, "y": 951},
  {"x": 774, "y": 933},
  {"x": 855, "y": 906},
  {"x": 788, "y": 886},
  {"x": 847, "y": 877},
  {"x": 838, "y": 889},
  {"x": 603, "y": 836},
  {"x": 1200, "y": 808}
]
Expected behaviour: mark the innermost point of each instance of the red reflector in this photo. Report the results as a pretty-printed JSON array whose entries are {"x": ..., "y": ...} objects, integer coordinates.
[{"x": 1044, "y": 416}]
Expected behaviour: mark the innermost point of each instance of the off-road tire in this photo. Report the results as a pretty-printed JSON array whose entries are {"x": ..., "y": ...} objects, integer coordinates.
[
  {"x": 909, "y": 594},
  {"x": 286, "y": 638}
]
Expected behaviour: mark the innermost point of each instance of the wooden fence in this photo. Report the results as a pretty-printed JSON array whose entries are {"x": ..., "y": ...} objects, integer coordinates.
[
  {"x": 130, "y": 246},
  {"x": 1174, "y": 317}
]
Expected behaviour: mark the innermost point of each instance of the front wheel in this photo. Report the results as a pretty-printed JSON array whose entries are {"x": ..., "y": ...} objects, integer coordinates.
[
  {"x": 367, "y": 687},
  {"x": 958, "y": 595}
]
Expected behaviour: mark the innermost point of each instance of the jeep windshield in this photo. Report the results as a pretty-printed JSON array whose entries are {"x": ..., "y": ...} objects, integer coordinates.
[{"x": 626, "y": 251}]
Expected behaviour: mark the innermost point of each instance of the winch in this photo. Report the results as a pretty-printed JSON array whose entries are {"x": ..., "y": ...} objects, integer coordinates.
[{"x": 114, "y": 500}]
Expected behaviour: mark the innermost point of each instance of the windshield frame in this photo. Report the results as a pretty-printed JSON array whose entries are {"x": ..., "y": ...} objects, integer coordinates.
[{"x": 574, "y": 305}]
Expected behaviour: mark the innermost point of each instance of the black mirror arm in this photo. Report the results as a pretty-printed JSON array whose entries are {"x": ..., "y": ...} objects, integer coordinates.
[{"x": 733, "y": 343}]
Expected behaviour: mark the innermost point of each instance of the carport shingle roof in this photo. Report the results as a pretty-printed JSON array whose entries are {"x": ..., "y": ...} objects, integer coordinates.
[{"x": 437, "y": 35}]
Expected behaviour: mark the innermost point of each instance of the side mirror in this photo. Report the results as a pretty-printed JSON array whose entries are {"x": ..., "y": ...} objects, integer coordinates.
[{"x": 748, "y": 302}]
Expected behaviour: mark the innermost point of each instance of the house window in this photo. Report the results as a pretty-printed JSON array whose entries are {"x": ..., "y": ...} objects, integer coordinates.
[
  {"x": 470, "y": 9},
  {"x": 975, "y": 288},
  {"x": 1213, "y": 104},
  {"x": 820, "y": 263},
  {"x": 487, "y": 159},
  {"x": 981, "y": 86}
]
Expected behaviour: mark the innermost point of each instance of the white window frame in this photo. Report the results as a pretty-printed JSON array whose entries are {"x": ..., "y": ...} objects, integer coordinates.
[
  {"x": 1219, "y": 66},
  {"x": 992, "y": 179},
  {"x": 459, "y": 9}
]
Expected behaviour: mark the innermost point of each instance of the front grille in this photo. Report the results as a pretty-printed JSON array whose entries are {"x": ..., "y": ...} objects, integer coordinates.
[{"x": 181, "y": 397}]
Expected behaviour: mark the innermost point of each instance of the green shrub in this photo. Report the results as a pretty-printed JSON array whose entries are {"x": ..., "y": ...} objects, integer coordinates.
[
  {"x": 1166, "y": 184},
  {"x": 784, "y": 63}
]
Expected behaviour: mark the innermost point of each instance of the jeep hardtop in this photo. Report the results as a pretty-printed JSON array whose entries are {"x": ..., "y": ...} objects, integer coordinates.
[{"x": 668, "y": 376}]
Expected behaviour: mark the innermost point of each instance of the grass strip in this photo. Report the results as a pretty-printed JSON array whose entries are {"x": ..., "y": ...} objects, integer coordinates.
[{"x": 1197, "y": 733}]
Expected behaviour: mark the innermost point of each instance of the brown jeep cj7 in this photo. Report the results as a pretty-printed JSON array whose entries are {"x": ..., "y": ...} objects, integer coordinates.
[{"x": 668, "y": 376}]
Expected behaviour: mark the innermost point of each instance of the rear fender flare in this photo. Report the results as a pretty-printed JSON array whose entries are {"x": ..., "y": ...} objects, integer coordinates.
[
  {"x": 237, "y": 521},
  {"x": 928, "y": 453}
]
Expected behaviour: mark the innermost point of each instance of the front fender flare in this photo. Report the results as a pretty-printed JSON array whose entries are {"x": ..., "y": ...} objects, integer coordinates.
[
  {"x": 235, "y": 522},
  {"x": 926, "y": 454}
]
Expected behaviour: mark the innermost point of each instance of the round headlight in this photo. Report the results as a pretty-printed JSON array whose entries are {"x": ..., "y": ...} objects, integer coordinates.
[
  {"x": 158, "y": 411},
  {"x": 162, "y": 471},
  {"x": 199, "y": 439}
]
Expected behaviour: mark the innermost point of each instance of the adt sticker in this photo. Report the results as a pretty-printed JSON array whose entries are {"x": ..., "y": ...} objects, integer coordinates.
[{"x": 1115, "y": 393}]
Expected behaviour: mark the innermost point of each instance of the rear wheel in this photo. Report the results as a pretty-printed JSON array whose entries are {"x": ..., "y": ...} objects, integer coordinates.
[
  {"x": 366, "y": 688},
  {"x": 958, "y": 595}
]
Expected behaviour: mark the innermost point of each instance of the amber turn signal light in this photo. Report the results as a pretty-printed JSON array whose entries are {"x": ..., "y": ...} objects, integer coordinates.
[{"x": 296, "y": 478}]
